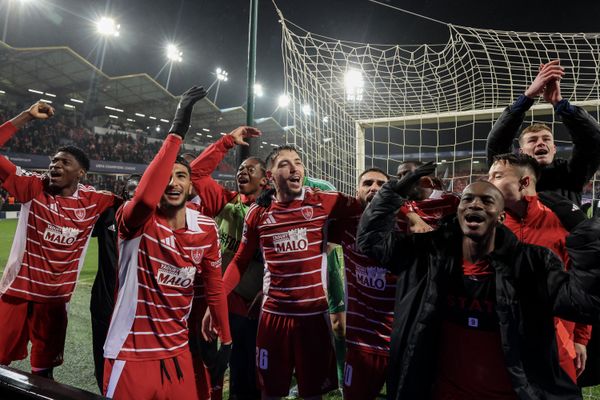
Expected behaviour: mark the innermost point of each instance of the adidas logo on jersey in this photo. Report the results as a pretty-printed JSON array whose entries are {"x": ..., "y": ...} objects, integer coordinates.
[
  {"x": 371, "y": 277},
  {"x": 176, "y": 277},
  {"x": 61, "y": 235},
  {"x": 269, "y": 220},
  {"x": 293, "y": 240},
  {"x": 169, "y": 241}
]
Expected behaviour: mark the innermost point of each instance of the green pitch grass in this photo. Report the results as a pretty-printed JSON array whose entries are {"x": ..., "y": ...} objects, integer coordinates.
[{"x": 78, "y": 368}]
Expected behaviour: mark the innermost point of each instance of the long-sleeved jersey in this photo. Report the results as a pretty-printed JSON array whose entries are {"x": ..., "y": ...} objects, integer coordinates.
[{"x": 157, "y": 266}]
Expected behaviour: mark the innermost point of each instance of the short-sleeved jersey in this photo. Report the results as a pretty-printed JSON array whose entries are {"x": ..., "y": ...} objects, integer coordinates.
[
  {"x": 157, "y": 267},
  {"x": 292, "y": 237},
  {"x": 370, "y": 295},
  {"x": 51, "y": 238}
]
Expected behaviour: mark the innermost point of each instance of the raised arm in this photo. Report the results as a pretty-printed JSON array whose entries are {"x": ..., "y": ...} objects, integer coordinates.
[
  {"x": 39, "y": 110},
  {"x": 376, "y": 236},
  {"x": 214, "y": 196},
  {"x": 156, "y": 177},
  {"x": 507, "y": 126}
]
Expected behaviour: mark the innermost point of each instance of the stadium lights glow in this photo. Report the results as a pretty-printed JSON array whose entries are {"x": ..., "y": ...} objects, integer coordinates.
[
  {"x": 35, "y": 91},
  {"x": 157, "y": 129},
  {"x": 354, "y": 83},
  {"x": 283, "y": 101},
  {"x": 140, "y": 115},
  {"x": 77, "y": 101},
  {"x": 71, "y": 106},
  {"x": 198, "y": 133},
  {"x": 206, "y": 129},
  {"x": 258, "y": 90},
  {"x": 108, "y": 27},
  {"x": 113, "y": 109},
  {"x": 265, "y": 143},
  {"x": 164, "y": 120},
  {"x": 46, "y": 101},
  {"x": 327, "y": 139},
  {"x": 306, "y": 109},
  {"x": 112, "y": 116},
  {"x": 173, "y": 53},
  {"x": 151, "y": 117},
  {"x": 50, "y": 94},
  {"x": 209, "y": 136},
  {"x": 262, "y": 147},
  {"x": 325, "y": 119},
  {"x": 475, "y": 162},
  {"x": 2, "y": 92},
  {"x": 222, "y": 133},
  {"x": 130, "y": 120},
  {"x": 222, "y": 75}
]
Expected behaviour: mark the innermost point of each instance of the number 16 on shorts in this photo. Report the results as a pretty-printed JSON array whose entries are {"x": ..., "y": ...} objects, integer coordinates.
[{"x": 262, "y": 358}]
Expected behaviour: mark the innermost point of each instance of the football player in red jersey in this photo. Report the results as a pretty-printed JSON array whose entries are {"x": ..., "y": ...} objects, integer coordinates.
[
  {"x": 55, "y": 223},
  {"x": 164, "y": 242}
]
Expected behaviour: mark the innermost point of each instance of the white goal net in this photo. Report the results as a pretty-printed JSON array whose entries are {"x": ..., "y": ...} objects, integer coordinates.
[{"x": 356, "y": 105}]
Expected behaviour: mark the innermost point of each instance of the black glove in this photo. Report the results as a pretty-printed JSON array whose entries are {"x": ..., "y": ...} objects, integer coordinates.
[
  {"x": 183, "y": 114},
  {"x": 403, "y": 186},
  {"x": 221, "y": 361},
  {"x": 265, "y": 197}
]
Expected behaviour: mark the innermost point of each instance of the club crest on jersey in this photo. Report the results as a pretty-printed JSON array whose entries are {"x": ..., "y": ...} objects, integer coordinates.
[
  {"x": 196, "y": 254},
  {"x": 371, "y": 277},
  {"x": 80, "y": 213},
  {"x": 307, "y": 212},
  {"x": 61, "y": 235},
  {"x": 291, "y": 241},
  {"x": 176, "y": 277}
]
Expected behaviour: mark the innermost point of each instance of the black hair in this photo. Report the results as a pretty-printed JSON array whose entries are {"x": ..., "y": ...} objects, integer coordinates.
[
  {"x": 521, "y": 160},
  {"x": 79, "y": 155},
  {"x": 373, "y": 169},
  {"x": 132, "y": 177},
  {"x": 260, "y": 162},
  {"x": 273, "y": 155},
  {"x": 181, "y": 160}
]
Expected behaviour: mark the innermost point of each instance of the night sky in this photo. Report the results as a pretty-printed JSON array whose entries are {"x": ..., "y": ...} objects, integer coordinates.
[{"x": 213, "y": 33}]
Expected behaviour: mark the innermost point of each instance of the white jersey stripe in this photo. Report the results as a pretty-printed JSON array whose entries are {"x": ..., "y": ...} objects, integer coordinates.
[
  {"x": 155, "y": 349},
  {"x": 158, "y": 334},
  {"x": 46, "y": 284},
  {"x": 296, "y": 274},
  {"x": 285, "y": 289}
]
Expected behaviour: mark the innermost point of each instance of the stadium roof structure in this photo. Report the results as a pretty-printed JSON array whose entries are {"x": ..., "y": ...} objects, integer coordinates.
[{"x": 60, "y": 75}]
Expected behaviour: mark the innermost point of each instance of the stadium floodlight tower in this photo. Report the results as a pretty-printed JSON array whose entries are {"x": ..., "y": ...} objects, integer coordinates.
[
  {"x": 174, "y": 55},
  {"x": 7, "y": 16},
  {"x": 222, "y": 76},
  {"x": 107, "y": 28}
]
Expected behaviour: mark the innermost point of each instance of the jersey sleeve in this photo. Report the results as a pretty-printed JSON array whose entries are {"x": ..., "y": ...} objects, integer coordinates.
[
  {"x": 7, "y": 131},
  {"x": 582, "y": 334},
  {"x": 134, "y": 214},
  {"x": 345, "y": 207},
  {"x": 22, "y": 185},
  {"x": 213, "y": 196},
  {"x": 245, "y": 252},
  {"x": 213, "y": 286}
]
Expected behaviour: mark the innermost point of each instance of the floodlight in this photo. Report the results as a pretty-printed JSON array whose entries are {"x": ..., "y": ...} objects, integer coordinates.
[
  {"x": 107, "y": 27},
  {"x": 258, "y": 90},
  {"x": 283, "y": 101},
  {"x": 173, "y": 53},
  {"x": 354, "y": 83},
  {"x": 157, "y": 128},
  {"x": 326, "y": 119},
  {"x": 222, "y": 75},
  {"x": 306, "y": 109}
]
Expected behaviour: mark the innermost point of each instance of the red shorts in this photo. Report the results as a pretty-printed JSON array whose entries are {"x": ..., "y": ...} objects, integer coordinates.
[
  {"x": 44, "y": 324},
  {"x": 285, "y": 344},
  {"x": 364, "y": 374},
  {"x": 148, "y": 379}
]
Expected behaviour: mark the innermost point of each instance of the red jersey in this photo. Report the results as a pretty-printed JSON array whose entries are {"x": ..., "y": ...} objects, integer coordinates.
[
  {"x": 431, "y": 210},
  {"x": 51, "y": 238},
  {"x": 157, "y": 267},
  {"x": 471, "y": 364},
  {"x": 370, "y": 294},
  {"x": 292, "y": 238}
]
